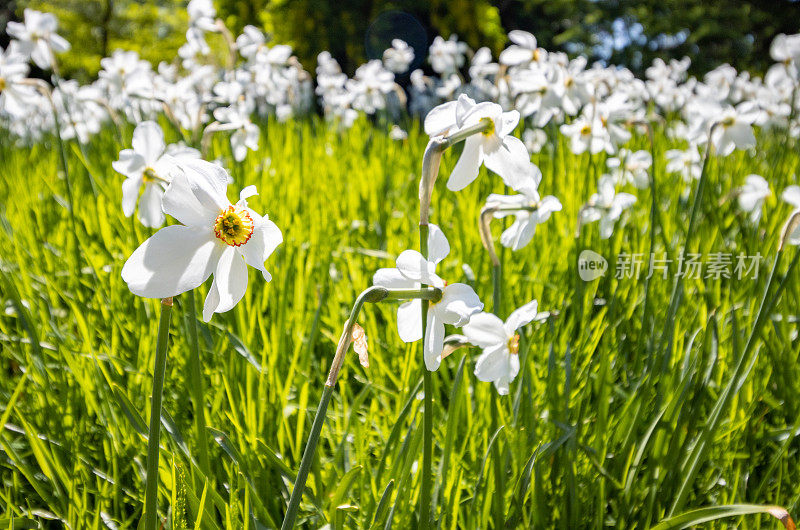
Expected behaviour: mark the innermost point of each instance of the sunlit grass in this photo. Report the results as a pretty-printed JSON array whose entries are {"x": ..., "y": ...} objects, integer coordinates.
[{"x": 599, "y": 429}]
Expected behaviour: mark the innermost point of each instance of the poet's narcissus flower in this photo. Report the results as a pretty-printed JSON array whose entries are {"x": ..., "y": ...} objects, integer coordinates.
[
  {"x": 459, "y": 302},
  {"x": 522, "y": 229},
  {"x": 37, "y": 37},
  {"x": 752, "y": 195},
  {"x": 499, "y": 362},
  {"x": 735, "y": 129},
  {"x": 606, "y": 206},
  {"x": 149, "y": 165},
  {"x": 631, "y": 167},
  {"x": 215, "y": 237},
  {"x": 495, "y": 147},
  {"x": 523, "y": 51}
]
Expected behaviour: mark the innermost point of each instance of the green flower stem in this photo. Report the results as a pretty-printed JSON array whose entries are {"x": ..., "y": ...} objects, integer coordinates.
[
  {"x": 196, "y": 384},
  {"x": 44, "y": 89},
  {"x": 151, "y": 480},
  {"x": 430, "y": 171},
  {"x": 497, "y": 455},
  {"x": 427, "y": 419},
  {"x": 372, "y": 295},
  {"x": 677, "y": 288}
]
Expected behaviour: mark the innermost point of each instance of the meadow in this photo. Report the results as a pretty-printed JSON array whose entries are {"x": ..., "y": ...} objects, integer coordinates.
[{"x": 626, "y": 410}]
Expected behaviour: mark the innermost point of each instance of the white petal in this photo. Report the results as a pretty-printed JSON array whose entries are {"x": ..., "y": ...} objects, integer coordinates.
[
  {"x": 459, "y": 302},
  {"x": 522, "y": 38},
  {"x": 438, "y": 246},
  {"x": 392, "y": 279},
  {"x": 606, "y": 227},
  {"x": 792, "y": 195},
  {"x": 175, "y": 260},
  {"x": 417, "y": 268},
  {"x": 150, "y": 212},
  {"x": 485, "y": 329},
  {"x": 512, "y": 162},
  {"x": 493, "y": 363},
  {"x": 514, "y": 55},
  {"x": 247, "y": 192},
  {"x": 181, "y": 202},
  {"x": 265, "y": 239},
  {"x": 230, "y": 278},
  {"x": 520, "y": 233},
  {"x": 148, "y": 141},
  {"x": 466, "y": 169},
  {"x": 508, "y": 122},
  {"x": 409, "y": 321},
  {"x": 522, "y": 316},
  {"x": 130, "y": 194},
  {"x": 434, "y": 342},
  {"x": 547, "y": 206},
  {"x": 129, "y": 164},
  {"x": 440, "y": 119},
  {"x": 208, "y": 182},
  {"x": 464, "y": 106}
]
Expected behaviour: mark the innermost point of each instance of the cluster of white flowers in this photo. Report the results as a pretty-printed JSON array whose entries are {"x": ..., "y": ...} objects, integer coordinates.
[{"x": 593, "y": 106}]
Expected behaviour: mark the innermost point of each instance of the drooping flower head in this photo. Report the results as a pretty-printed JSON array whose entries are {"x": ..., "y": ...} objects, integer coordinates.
[
  {"x": 499, "y": 362},
  {"x": 149, "y": 166},
  {"x": 458, "y": 303},
  {"x": 752, "y": 195},
  {"x": 606, "y": 206},
  {"x": 495, "y": 147}
]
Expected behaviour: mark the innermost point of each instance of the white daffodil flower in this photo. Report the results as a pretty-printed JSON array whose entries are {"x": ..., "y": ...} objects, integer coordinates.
[
  {"x": 606, "y": 206},
  {"x": 214, "y": 236},
  {"x": 523, "y": 51},
  {"x": 149, "y": 165},
  {"x": 735, "y": 129},
  {"x": 447, "y": 56},
  {"x": 440, "y": 119},
  {"x": 521, "y": 231},
  {"x": 752, "y": 195},
  {"x": 459, "y": 301},
  {"x": 245, "y": 133},
  {"x": 688, "y": 163},
  {"x": 631, "y": 167},
  {"x": 37, "y": 37},
  {"x": 14, "y": 95},
  {"x": 499, "y": 362},
  {"x": 399, "y": 57},
  {"x": 496, "y": 148},
  {"x": 586, "y": 135}
]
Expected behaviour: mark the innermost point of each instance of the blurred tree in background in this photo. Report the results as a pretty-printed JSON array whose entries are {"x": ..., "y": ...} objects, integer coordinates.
[{"x": 625, "y": 32}]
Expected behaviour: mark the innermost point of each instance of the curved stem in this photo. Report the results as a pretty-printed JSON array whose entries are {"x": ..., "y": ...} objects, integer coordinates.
[
  {"x": 151, "y": 479},
  {"x": 372, "y": 295},
  {"x": 196, "y": 384}
]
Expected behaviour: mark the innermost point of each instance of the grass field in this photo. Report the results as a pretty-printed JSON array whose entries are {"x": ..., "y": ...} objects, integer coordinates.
[{"x": 627, "y": 410}]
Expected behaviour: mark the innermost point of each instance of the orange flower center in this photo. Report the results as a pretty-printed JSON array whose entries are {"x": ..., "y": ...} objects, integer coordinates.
[
  {"x": 513, "y": 344},
  {"x": 234, "y": 226}
]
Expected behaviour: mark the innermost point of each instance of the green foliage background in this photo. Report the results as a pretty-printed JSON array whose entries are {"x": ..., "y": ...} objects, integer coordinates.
[{"x": 713, "y": 31}]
